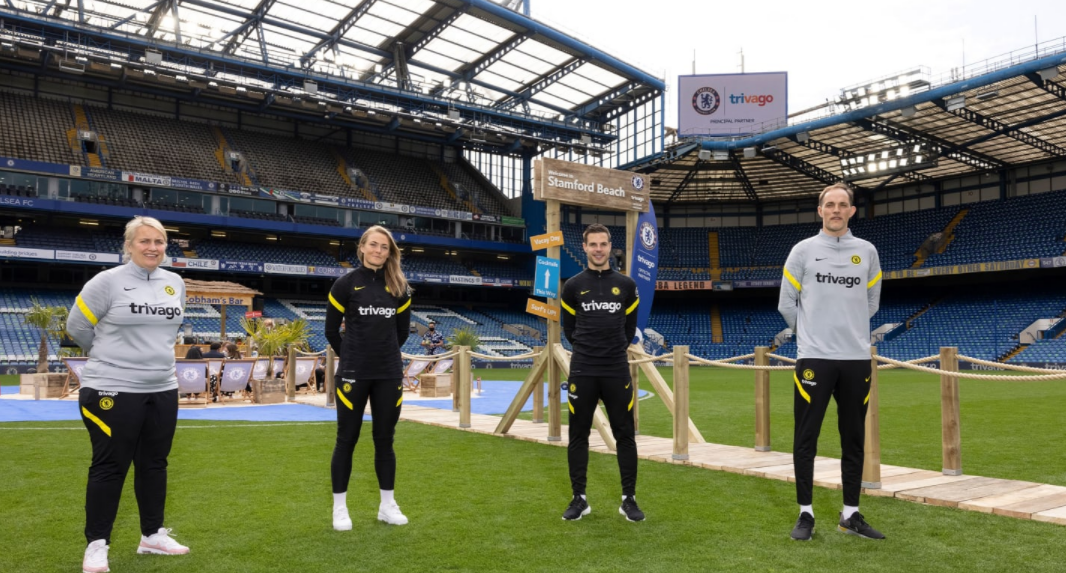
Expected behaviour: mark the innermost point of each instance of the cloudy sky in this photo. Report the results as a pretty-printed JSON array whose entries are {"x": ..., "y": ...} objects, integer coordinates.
[{"x": 824, "y": 45}]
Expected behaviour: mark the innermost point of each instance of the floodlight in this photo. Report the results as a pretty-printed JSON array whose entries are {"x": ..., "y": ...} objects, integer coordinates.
[
  {"x": 1048, "y": 74},
  {"x": 955, "y": 103}
]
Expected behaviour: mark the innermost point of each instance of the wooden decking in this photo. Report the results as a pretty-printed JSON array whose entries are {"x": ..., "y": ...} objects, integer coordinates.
[{"x": 1018, "y": 499}]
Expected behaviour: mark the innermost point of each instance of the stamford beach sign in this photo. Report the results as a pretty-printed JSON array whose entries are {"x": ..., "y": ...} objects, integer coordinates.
[{"x": 588, "y": 185}]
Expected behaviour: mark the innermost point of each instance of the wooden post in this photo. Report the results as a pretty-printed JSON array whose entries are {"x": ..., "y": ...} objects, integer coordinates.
[
  {"x": 555, "y": 422},
  {"x": 680, "y": 403},
  {"x": 290, "y": 375},
  {"x": 762, "y": 400},
  {"x": 871, "y": 467},
  {"x": 538, "y": 395},
  {"x": 658, "y": 384},
  {"x": 457, "y": 375},
  {"x": 536, "y": 374},
  {"x": 634, "y": 378},
  {"x": 599, "y": 420},
  {"x": 949, "y": 411},
  {"x": 464, "y": 387},
  {"x": 331, "y": 383},
  {"x": 222, "y": 334}
]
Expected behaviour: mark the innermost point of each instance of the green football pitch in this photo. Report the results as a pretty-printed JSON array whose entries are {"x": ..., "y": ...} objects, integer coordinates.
[{"x": 256, "y": 497}]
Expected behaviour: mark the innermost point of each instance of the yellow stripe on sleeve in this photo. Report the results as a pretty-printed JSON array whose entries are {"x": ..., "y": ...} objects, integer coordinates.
[
  {"x": 92, "y": 418},
  {"x": 799, "y": 387},
  {"x": 404, "y": 307},
  {"x": 335, "y": 304},
  {"x": 84, "y": 308},
  {"x": 871, "y": 284},
  {"x": 567, "y": 307},
  {"x": 793, "y": 280},
  {"x": 344, "y": 400},
  {"x": 633, "y": 306}
]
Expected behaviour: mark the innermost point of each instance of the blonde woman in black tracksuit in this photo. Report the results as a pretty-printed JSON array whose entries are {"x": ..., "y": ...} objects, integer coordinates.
[{"x": 374, "y": 303}]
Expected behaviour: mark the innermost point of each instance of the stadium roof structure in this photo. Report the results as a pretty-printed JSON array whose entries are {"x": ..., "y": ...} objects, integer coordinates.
[
  {"x": 462, "y": 72},
  {"x": 1003, "y": 112}
]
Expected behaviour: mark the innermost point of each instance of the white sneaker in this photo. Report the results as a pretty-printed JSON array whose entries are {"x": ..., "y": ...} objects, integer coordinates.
[
  {"x": 390, "y": 513},
  {"x": 341, "y": 521},
  {"x": 161, "y": 543},
  {"x": 95, "y": 557}
]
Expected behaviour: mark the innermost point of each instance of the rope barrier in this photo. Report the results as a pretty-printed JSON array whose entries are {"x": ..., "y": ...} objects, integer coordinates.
[
  {"x": 1013, "y": 367},
  {"x": 505, "y": 358},
  {"x": 967, "y": 375},
  {"x": 663, "y": 358},
  {"x": 319, "y": 353},
  {"x": 428, "y": 358},
  {"x": 781, "y": 358},
  {"x": 724, "y": 364}
]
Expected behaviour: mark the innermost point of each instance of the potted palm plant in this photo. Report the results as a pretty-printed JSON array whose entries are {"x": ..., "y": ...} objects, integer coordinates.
[{"x": 50, "y": 322}]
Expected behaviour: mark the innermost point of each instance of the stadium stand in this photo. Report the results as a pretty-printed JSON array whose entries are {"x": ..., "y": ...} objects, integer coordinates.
[
  {"x": 36, "y": 128},
  {"x": 1049, "y": 350},
  {"x": 73, "y": 239},
  {"x": 159, "y": 145},
  {"x": 983, "y": 322},
  {"x": 515, "y": 271},
  {"x": 400, "y": 179},
  {"x": 484, "y": 198},
  {"x": 287, "y": 163},
  {"x": 434, "y": 265},
  {"x": 208, "y": 248},
  {"x": 984, "y": 234}
]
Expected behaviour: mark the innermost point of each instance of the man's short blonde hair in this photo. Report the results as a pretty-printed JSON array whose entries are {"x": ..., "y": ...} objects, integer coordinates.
[{"x": 844, "y": 186}]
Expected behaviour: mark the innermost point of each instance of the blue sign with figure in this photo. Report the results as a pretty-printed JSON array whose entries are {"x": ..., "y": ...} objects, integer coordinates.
[{"x": 546, "y": 278}]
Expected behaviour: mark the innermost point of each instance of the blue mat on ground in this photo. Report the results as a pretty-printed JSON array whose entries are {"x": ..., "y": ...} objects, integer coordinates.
[{"x": 496, "y": 396}]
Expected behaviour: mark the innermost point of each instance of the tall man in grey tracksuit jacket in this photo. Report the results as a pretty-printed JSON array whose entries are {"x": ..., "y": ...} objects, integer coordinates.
[{"x": 830, "y": 290}]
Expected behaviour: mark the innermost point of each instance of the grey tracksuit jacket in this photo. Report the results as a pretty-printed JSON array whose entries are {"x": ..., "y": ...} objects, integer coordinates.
[
  {"x": 830, "y": 290},
  {"x": 127, "y": 319}
]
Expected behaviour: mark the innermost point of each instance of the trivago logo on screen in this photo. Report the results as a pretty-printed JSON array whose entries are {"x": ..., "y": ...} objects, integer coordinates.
[{"x": 744, "y": 99}]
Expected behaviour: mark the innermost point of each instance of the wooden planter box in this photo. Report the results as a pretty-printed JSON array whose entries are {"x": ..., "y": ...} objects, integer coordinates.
[
  {"x": 52, "y": 385},
  {"x": 268, "y": 391},
  {"x": 435, "y": 385}
]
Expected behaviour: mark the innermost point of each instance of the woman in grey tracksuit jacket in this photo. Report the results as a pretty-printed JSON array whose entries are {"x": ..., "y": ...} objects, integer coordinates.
[{"x": 126, "y": 320}]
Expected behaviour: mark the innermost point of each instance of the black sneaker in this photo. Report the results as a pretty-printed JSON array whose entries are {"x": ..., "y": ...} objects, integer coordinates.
[
  {"x": 856, "y": 525},
  {"x": 630, "y": 510},
  {"x": 804, "y": 527},
  {"x": 578, "y": 508}
]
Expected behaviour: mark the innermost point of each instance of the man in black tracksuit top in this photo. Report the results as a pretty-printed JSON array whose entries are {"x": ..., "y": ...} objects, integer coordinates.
[
  {"x": 599, "y": 319},
  {"x": 376, "y": 323}
]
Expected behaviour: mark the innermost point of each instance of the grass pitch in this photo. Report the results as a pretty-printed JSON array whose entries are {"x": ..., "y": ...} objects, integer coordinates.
[{"x": 256, "y": 497}]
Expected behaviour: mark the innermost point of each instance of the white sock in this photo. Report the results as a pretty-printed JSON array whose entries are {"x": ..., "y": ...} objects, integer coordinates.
[
  {"x": 809, "y": 509},
  {"x": 583, "y": 497},
  {"x": 340, "y": 499},
  {"x": 849, "y": 511},
  {"x": 387, "y": 496}
]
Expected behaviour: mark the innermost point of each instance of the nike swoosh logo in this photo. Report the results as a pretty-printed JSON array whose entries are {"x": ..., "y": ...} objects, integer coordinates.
[
  {"x": 867, "y": 378},
  {"x": 627, "y": 386},
  {"x": 584, "y": 291},
  {"x": 124, "y": 288},
  {"x": 358, "y": 288},
  {"x": 821, "y": 259}
]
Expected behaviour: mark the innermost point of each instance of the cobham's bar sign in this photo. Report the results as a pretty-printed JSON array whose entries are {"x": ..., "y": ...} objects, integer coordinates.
[{"x": 579, "y": 184}]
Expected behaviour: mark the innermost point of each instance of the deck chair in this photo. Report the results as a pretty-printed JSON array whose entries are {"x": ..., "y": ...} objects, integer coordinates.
[
  {"x": 279, "y": 366},
  {"x": 442, "y": 366},
  {"x": 234, "y": 379},
  {"x": 74, "y": 368},
  {"x": 259, "y": 372},
  {"x": 305, "y": 372},
  {"x": 192, "y": 382},
  {"x": 214, "y": 369},
  {"x": 410, "y": 374}
]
